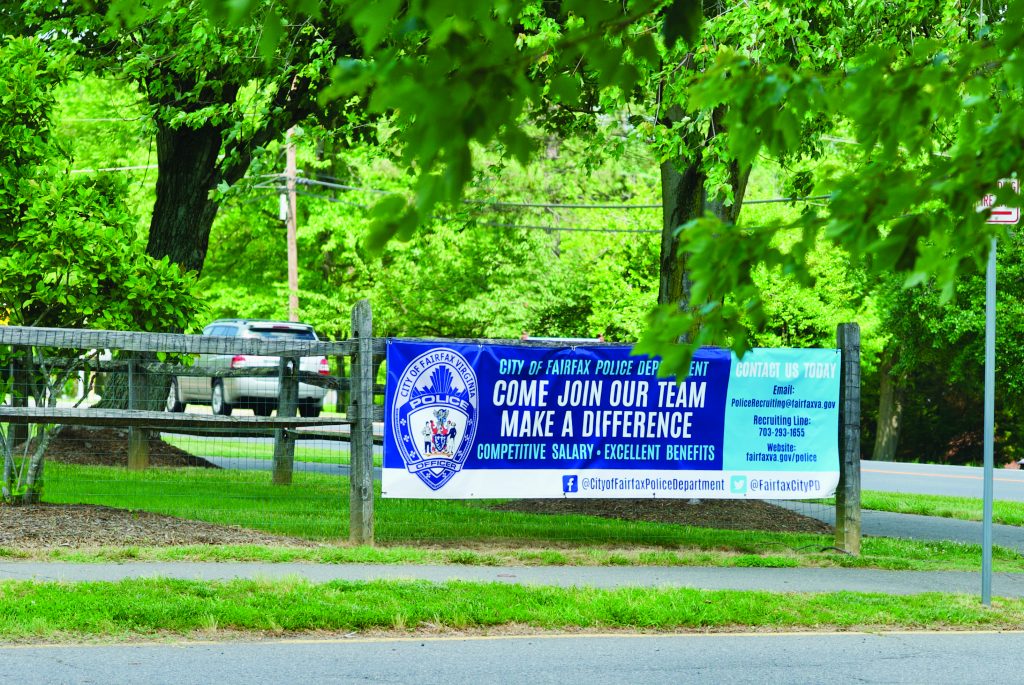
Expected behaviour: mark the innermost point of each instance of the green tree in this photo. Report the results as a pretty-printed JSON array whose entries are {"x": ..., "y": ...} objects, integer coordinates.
[
  {"x": 910, "y": 91},
  {"x": 68, "y": 249},
  {"x": 934, "y": 365},
  {"x": 215, "y": 100},
  {"x": 471, "y": 273}
]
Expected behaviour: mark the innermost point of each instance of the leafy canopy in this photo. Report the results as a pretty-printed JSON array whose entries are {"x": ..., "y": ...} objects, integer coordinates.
[
  {"x": 935, "y": 111},
  {"x": 68, "y": 249}
]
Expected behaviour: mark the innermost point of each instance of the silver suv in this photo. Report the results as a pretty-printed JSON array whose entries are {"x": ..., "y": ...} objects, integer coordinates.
[{"x": 259, "y": 394}]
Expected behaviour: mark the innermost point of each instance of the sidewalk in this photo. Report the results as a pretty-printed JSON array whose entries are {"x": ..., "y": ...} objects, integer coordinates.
[{"x": 708, "y": 578}]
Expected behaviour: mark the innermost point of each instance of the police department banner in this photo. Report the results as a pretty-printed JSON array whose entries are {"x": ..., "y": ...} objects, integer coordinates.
[{"x": 504, "y": 421}]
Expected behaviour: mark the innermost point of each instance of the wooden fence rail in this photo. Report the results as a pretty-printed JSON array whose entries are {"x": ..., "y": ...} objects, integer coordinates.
[
  {"x": 60, "y": 349},
  {"x": 171, "y": 343}
]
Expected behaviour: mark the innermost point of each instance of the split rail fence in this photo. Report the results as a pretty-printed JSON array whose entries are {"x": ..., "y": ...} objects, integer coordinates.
[
  {"x": 46, "y": 359},
  {"x": 43, "y": 361}
]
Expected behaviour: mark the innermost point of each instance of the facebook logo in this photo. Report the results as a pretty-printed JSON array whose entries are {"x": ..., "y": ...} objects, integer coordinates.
[{"x": 570, "y": 484}]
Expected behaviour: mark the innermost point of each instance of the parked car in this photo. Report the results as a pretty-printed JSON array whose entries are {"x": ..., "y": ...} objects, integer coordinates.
[{"x": 257, "y": 393}]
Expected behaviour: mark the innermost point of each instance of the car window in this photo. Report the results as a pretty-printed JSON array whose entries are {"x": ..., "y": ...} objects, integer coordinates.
[{"x": 281, "y": 333}]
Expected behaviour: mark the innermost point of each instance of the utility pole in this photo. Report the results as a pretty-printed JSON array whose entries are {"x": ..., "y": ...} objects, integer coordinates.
[{"x": 291, "y": 172}]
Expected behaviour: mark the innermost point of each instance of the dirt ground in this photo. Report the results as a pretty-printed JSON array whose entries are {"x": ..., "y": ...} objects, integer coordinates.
[
  {"x": 83, "y": 525},
  {"x": 707, "y": 513},
  {"x": 109, "y": 447}
]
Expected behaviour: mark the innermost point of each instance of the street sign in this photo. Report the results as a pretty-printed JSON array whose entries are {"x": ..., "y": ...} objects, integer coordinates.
[{"x": 1001, "y": 214}]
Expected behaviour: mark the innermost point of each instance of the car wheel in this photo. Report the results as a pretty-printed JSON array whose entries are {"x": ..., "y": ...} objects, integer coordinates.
[
  {"x": 173, "y": 403},
  {"x": 309, "y": 410},
  {"x": 217, "y": 401}
]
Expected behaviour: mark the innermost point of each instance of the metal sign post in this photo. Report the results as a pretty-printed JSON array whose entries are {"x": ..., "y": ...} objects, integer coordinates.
[
  {"x": 990, "y": 394},
  {"x": 997, "y": 215}
]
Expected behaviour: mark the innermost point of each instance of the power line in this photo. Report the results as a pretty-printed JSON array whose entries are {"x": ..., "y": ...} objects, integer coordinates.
[
  {"x": 104, "y": 119},
  {"x": 489, "y": 203},
  {"x": 570, "y": 229},
  {"x": 488, "y": 224},
  {"x": 549, "y": 205},
  {"x": 339, "y": 186},
  {"x": 114, "y": 168},
  {"x": 329, "y": 198},
  {"x": 553, "y": 205},
  {"x": 484, "y": 203}
]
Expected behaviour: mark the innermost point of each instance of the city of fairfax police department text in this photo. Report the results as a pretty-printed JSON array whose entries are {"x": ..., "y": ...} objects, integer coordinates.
[{"x": 576, "y": 410}]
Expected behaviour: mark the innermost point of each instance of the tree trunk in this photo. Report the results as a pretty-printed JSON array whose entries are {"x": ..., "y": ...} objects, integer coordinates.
[
  {"x": 684, "y": 197},
  {"x": 184, "y": 213},
  {"x": 890, "y": 412},
  {"x": 7, "y": 450},
  {"x": 179, "y": 230},
  {"x": 150, "y": 388}
]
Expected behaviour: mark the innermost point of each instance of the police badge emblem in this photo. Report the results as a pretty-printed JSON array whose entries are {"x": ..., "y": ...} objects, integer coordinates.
[{"x": 434, "y": 413}]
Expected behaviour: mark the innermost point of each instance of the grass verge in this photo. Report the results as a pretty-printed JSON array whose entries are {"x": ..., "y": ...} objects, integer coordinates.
[
  {"x": 964, "y": 508},
  {"x": 315, "y": 507},
  {"x": 161, "y": 607}
]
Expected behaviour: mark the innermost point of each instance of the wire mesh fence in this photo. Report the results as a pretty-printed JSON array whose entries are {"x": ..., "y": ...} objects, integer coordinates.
[
  {"x": 257, "y": 431},
  {"x": 247, "y": 426}
]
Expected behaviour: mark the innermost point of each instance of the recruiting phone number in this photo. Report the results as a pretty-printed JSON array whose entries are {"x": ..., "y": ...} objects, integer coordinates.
[{"x": 781, "y": 432}]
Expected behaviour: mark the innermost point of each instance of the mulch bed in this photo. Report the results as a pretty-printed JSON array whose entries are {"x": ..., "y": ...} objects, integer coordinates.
[
  {"x": 51, "y": 526},
  {"x": 707, "y": 513},
  {"x": 109, "y": 447}
]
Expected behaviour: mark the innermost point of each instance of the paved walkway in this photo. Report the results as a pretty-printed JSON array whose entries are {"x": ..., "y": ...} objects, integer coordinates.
[
  {"x": 874, "y": 523},
  {"x": 769, "y": 579}
]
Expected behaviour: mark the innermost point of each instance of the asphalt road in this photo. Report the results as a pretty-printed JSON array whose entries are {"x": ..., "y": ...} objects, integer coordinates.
[
  {"x": 933, "y": 479},
  {"x": 937, "y": 659},
  {"x": 915, "y": 527}
]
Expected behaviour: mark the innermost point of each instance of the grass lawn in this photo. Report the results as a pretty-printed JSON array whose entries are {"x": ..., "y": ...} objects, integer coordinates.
[
  {"x": 158, "y": 608},
  {"x": 263, "y": 449},
  {"x": 315, "y": 507},
  {"x": 966, "y": 508}
]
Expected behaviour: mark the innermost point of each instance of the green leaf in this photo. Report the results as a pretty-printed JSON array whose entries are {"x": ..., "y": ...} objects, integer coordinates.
[
  {"x": 682, "y": 21},
  {"x": 273, "y": 29},
  {"x": 645, "y": 49},
  {"x": 387, "y": 218},
  {"x": 565, "y": 88}
]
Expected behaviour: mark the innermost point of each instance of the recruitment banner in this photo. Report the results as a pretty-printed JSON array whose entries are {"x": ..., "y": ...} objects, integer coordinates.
[{"x": 507, "y": 421}]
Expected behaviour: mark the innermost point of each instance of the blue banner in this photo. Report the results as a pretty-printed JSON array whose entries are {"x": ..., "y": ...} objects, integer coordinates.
[{"x": 506, "y": 421}]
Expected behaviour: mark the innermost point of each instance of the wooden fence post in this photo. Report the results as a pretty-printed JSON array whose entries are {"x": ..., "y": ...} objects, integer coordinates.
[
  {"x": 848, "y": 492},
  {"x": 138, "y": 438},
  {"x": 287, "y": 405},
  {"x": 361, "y": 459}
]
